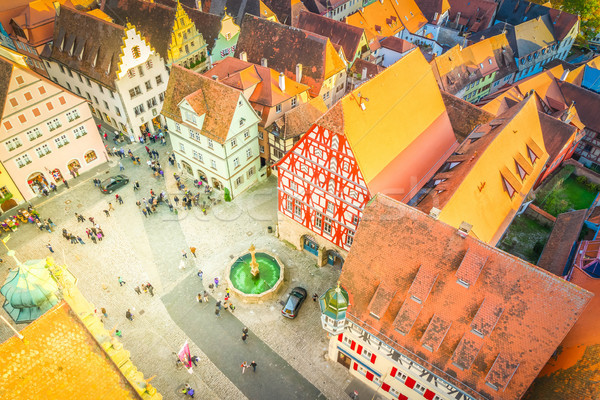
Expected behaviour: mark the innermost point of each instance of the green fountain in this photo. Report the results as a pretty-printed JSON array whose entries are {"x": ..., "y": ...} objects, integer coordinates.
[{"x": 255, "y": 276}]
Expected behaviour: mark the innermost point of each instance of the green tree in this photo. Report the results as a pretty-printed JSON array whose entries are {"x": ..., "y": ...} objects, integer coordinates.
[
  {"x": 227, "y": 195},
  {"x": 589, "y": 12}
]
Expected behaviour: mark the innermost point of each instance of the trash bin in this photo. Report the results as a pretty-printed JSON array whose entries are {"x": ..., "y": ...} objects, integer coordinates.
[{"x": 270, "y": 229}]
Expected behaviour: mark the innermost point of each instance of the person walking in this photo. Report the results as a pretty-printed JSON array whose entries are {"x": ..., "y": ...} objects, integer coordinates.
[
  {"x": 195, "y": 360},
  {"x": 183, "y": 254},
  {"x": 217, "y": 282},
  {"x": 217, "y": 311},
  {"x": 193, "y": 251},
  {"x": 150, "y": 289},
  {"x": 253, "y": 364},
  {"x": 219, "y": 304},
  {"x": 103, "y": 310},
  {"x": 119, "y": 198},
  {"x": 315, "y": 297},
  {"x": 231, "y": 307},
  {"x": 129, "y": 315},
  {"x": 66, "y": 184},
  {"x": 137, "y": 290},
  {"x": 49, "y": 246},
  {"x": 121, "y": 167},
  {"x": 93, "y": 237},
  {"x": 244, "y": 366},
  {"x": 110, "y": 207},
  {"x": 145, "y": 212},
  {"x": 121, "y": 281},
  {"x": 244, "y": 337},
  {"x": 136, "y": 185},
  {"x": 99, "y": 235},
  {"x": 106, "y": 213},
  {"x": 80, "y": 240},
  {"x": 200, "y": 273},
  {"x": 205, "y": 296}
]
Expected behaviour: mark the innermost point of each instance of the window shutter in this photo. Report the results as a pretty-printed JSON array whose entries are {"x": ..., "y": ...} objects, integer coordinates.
[
  {"x": 353, "y": 345},
  {"x": 369, "y": 375},
  {"x": 359, "y": 349},
  {"x": 385, "y": 387},
  {"x": 340, "y": 337},
  {"x": 410, "y": 382},
  {"x": 394, "y": 371},
  {"x": 373, "y": 358}
]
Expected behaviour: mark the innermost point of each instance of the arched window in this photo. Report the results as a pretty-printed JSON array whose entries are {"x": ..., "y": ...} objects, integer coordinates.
[
  {"x": 335, "y": 142},
  {"x": 333, "y": 164},
  {"x": 90, "y": 156},
  {"x": 331, "y": 186}
]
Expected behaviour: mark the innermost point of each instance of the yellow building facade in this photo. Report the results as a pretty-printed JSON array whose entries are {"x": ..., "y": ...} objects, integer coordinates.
[
  {"x": 10, "y": 195},
  {"x": 188, "y": 47}
]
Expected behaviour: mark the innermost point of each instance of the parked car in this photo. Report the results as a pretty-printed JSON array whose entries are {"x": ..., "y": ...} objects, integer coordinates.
[
  {"x": 113, "y": 183},
  {"x": 293, "y": 303}
]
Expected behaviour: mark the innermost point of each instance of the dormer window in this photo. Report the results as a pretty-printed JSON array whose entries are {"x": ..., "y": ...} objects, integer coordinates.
[
  {"x": 508, "y": 187},
  {"x": 532, "y": 156}
]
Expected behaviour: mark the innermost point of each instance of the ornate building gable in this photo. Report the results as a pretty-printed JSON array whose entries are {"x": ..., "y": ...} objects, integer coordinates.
[
  {"x": 187, "y": 46},
  {"x": 135, "y": 51}
]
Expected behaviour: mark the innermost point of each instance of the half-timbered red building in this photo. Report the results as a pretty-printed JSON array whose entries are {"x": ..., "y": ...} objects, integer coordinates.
[{"x": 389, "y": 135}]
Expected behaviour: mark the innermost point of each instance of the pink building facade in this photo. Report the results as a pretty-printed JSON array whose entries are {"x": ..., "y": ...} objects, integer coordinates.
[{"x": 48, "y": 133}]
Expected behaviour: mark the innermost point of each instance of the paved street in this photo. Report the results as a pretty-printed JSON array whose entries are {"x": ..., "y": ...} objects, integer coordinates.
[{"x": 290, "y": 353}]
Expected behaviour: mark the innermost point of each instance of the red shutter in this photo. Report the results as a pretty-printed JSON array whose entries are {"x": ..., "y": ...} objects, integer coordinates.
[
  {"x": 340, "y": 337},
  {"x": 429, "y": 395},
  {"x": 370, "y": 376},
  {"x": 373, "y": 358},
  {"x": 359, "y": 349},
  {"x": 353, "y": 345},
  {"x": 402, "y": 397},
  {"x": 410, "y": 382},
  {"x": 394, "y": 371},
  {"x": 385, "y": 387},
  {"x": 355, "y": 366}
]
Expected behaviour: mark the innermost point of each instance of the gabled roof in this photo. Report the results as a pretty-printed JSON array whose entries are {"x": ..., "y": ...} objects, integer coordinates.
[
  {"x": 517, "y": 11},
  {"x": 338, "y": 32},
  {"x": 242, "y": 75},
  {"x": 236, "y": 8},
  {"x": 298, "y": 120},
  {"x": 464, "y": 116},
  {"x": 430, "y": 8},
  {"x": 293, "y": 46},
  {"x": 556, "y": 134},
  {"x": 6, "y": 68},
  {"x": 591, "y": 79},
  {"x": 564, "y": 236},
  {"x": 396, "y": 44},
  {"x": 154, "y": 21},
  {"x": 403, "y": 95},
  {"x": 287, "y": 11},
  {"x": 209, "y": 25},
  {"x": 58, "y": 341},
  {"x": 80, "y": 31},
  {"x": 573, "y": 372},
  {"x": 206, "y": 96},
  {"x": 494, "y": 306},
  {"x": 587, "y": 104},
  {"x": 476, "y": 15},
  {"x": 372, "y": 69}
]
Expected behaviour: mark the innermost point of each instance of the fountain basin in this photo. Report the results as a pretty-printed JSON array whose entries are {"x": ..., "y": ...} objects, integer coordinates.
[{"x": 249, "y": 289}]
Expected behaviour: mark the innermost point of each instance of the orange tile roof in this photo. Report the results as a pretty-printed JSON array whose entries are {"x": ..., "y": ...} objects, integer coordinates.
[
  {"x": 298, "y": 120},
  {"x": 573, "y": 372},
  {"x": 405, "y": 94},
  {"x": 507, "y": 315},
  {"x": 61, "y": 360},
  {"x": 377, "y": 19}
]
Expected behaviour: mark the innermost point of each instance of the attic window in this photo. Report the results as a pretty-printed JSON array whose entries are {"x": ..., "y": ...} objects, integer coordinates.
[
  {"x": 490, "y": 61},
  {"x": 136, "y": 52},
  {"x": 242, "y": 121},
  {"x": 453, "y": 164},
  {"x": 463, "y": 283},
  {"x": 532, "y": 156},
  {"x": 509, "y": 189},
  {"x": 521, "y": 171}
]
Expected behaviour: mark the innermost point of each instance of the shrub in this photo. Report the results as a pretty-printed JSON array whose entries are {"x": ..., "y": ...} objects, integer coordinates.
[
  {"x": 538, "y": 247},
  {"x": 582, "y": 180},
  {"x": 227, "y": 195}
]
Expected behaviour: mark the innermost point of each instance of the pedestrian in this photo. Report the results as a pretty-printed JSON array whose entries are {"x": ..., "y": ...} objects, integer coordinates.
[
  {"x": 128, "y": 315},
  {"x": 87, "y": 232},
  {"x": 93, "y": 237},
  {"x": 217, "y": 312},
  {"x": 106, "y": 213},
  {"x": 217, "y": 282},
  {"x": 195, "y": 360},
  {"x": 51, "y": 223},
  {"x": 315, "y": 297},
  {"x": 231, "y": 307},
  {"x": 73, "y": 239},
  {"x": 219, "y": 304},
  {"x": 103, "y": 310},
  {"x": 99, "y": 235},
  {"x": 245, "y": 330},
  {"x": 244, "y": 366},
  {"x": 244, "y": 337},
  {"x": 148, "y": 210},
  {"x": 118, "y": 333},
  {"x": 227, "y": 291},
  {"x": 150, "y": 289},
  {"x": 80, "y": 240},
  {"x": 253, "y": 364},
  {"x": 65, "y": 182},
  {"x": 145, "y": 212},
  {"x": 187, "y": 389},
  {"x": 49, "y": 246},
  {"x": 176, "y": 200},
  {"x": 77, "y": 216},
  {"x": 121, "y": 167},
  {"x": 119, "y": 199},
  {"x": 205, "y": 296},
  {"x": 136, "y": 186},
  {"x": 137, "y": 290},
  {"x": 183, "y": 254},
  {"x": 199, "y": 297},
  {"x": 110, "y": 207},
  {"x": 193, "y": 251},
  {"x": 121, "y": 281},
  {"x": 200, "y": 273},
  {"x": 91, "y": 220}
]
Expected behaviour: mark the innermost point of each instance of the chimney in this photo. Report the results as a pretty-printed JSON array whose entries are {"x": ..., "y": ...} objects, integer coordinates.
[
  {"x": 564, "y": 75},
  {"x": 298, "y": 73},
  {"x": 464, "y": 229},
  {"x": 263, "y": 62},
  {"x": 244, "y": 56},
  {"x": 435, "y": 213},
  {"x": 282, "y": 81},
  {"x": 215, "y": 78},
  {"x": 364, "y": 73},
  {"x": 457, "y": 17}
]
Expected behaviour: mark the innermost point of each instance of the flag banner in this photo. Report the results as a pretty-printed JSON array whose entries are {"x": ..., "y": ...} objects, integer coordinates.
[{"x": 185, "y": 356}]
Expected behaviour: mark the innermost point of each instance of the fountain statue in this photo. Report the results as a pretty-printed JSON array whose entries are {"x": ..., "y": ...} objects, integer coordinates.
[{"x": 253, "y": 264}]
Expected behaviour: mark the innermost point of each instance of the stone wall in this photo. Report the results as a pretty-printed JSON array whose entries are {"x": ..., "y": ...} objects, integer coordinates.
[
  {"x": 581, "y": 170},
  {"x": 540, "y": 215}
]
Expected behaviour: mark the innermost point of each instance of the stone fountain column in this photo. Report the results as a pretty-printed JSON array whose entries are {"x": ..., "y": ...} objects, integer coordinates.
[{"x": 253, "y": 264}]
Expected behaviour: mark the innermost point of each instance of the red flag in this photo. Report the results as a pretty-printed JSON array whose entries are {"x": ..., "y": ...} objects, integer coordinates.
[{"x": 185, "y": 356}]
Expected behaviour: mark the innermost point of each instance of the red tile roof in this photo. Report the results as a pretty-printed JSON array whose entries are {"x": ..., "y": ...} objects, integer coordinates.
[
  {"x": 298, "y": 120},
  {"x": 573, "y": 372},
  {"x": 396, "y": 44},
  {"x": 476, "y": 15},
  {"x": 565, "y": 233},
  {"x": 587, "y": 104},
  {"x": 502, "y": 327},
  {"x": 556, "y": 134},
  {"x": 464, "y": 116}
]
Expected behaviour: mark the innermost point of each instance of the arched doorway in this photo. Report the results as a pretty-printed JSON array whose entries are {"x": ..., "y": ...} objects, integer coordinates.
[
  {"x": 202, "y": 176},
  {"x": 8, "y": 204},
  {"x": 37, "y": 181},
  {"x": 57, "y": 175},
  {"x": 217, "y": 184},
  {"x": 187, "y": 168},
  {"x": 335, "y": 259},
  {"x": 310, "y": 245}
]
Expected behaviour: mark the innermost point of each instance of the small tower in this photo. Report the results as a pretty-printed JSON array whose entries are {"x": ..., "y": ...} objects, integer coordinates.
[{"x": 334, "y": 304}]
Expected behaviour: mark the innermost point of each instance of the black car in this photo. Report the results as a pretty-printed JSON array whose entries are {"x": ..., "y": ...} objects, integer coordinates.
[
  {"x": 113, "y": 183},
  {"x": 293, "y": 303}
]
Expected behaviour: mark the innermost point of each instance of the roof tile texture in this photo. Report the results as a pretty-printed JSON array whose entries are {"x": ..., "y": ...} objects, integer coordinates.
[{"x": 395, "y": 240}]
